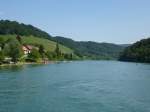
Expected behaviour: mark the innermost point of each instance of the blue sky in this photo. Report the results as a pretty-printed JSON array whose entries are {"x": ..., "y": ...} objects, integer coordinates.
[{"x": 113, "y": 21}]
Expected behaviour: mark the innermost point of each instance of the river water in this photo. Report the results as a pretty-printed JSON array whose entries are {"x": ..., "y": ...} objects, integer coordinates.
[{"x": 82, "y": 86}]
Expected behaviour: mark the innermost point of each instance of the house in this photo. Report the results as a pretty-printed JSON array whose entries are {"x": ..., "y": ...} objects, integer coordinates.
[
  {"x": 25, "y": 50},
  {"x": 28, "y": 48}
]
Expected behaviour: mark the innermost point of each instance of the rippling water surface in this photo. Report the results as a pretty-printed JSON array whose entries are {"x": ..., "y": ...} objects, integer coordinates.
[{"x": 86, "y": 86}]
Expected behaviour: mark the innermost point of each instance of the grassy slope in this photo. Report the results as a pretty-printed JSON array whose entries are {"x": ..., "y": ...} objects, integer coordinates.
[{"x": 48, "y": 45}]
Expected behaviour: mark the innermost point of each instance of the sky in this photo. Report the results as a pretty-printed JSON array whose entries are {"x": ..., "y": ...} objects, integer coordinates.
[{"x": 113, "y": 21}]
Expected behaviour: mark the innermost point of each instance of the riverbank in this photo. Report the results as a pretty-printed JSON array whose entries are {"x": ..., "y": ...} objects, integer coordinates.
[
  {"x": 32, "y": 63},
  {"x": 25, "y": 63}
]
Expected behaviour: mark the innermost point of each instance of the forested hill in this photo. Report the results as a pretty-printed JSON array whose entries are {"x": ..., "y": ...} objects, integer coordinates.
[
  {"x": 13, "y": 27},
  {"x": 92, "y": 50},
  {"x": 138, "y": 52}
]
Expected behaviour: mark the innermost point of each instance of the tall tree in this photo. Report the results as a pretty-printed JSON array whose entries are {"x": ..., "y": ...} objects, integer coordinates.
[
  {"x": 13, "y": 50},
  {"x": 19, "y": 39},
  {"x": 41, "y": 50},
  {"x": 57, "y": 50},
  {"x": 1, "y": 56},
  {"x": 2, "y": 43}
]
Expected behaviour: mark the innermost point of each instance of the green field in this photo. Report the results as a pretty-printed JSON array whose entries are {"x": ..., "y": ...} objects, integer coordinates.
[{"x": 31, "y": 40}]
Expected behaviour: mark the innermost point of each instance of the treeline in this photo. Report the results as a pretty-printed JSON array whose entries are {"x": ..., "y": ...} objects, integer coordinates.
[
  {"x": 138, "y": 52},
  {"x": 13, "y": 27}
]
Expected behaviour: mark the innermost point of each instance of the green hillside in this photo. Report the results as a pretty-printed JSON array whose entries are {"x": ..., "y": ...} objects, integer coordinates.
[
  {"x": 93, "y": 50},
  {"x": 138, "y": 52},
  {"x": 48, "y": 45},
  {"x": 84, "y": 49}
]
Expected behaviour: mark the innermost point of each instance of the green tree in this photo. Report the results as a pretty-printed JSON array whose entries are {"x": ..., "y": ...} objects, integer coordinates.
[
  {"x": 19, "y": 39},
  {"x": 41, "y": 50},
  {"x": 34, "y": 55},
  {"x": 13, "y": 50},
  {"x": 2, "y": 57},
  {"x": 2, "y": 43},
  {"x": 57, "y": 50},
  {"x": 49, "y": 55}
]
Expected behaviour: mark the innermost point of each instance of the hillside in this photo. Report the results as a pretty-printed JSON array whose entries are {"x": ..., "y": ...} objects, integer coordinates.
[
  {"x": 31, "y": 40},
  {"x": 87, "y": 49},
  {"x": 13, "y": 28},
  {"x": 92, "y": 49},
  {"x": 138, "y": 52}
]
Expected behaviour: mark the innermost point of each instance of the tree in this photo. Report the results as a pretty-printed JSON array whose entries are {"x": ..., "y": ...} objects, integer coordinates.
[
  {"x": 2, "y": 57},
  {"x": 57, "y": 50},
  {"x": 41, "y": 50},
  {"x": 13, "y": 50},
  {"x": 50, "y": 55},
  {"x": 34, "y": 55},
  {"x": 2, "y": 42},
  {"x": 19, "y": 39}
]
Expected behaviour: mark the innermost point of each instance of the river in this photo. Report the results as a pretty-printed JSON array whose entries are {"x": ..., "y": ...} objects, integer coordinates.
[{"x": 80, "y": 86}]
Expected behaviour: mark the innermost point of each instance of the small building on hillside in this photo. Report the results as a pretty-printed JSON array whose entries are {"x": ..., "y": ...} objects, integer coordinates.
[
  {"x": 25, "y": 50},
  {"x": 28, "y": 48}
]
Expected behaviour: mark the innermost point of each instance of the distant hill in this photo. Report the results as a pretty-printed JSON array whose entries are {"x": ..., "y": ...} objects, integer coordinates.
[
  {"x": 89, "y": 49},
  {"x": 138, "y": 52},
  {"x": 124, "y": 45}
]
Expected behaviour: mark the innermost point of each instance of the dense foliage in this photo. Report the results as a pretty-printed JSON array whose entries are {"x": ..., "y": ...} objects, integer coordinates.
[
  {"x": 90, "y": 49},
  {"x": 138, "y": 52},
  {"x": 13, "y": 49},
  {"x": 34, "y": 56},
  {"x": 13, "y": 27}
]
